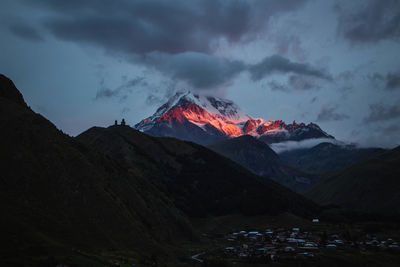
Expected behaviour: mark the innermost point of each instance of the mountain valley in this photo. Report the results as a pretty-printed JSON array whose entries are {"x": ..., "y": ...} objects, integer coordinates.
[{"x": 116, "y": 194}]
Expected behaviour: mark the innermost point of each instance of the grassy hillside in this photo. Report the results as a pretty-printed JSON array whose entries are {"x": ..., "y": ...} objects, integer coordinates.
[
  {"x": 371, "y": 185},
  {"x": 258, "y": 157},
  {"x": 251, "y": 153},
  {"x": 326, "y": 157},
  {"x": 58, "y": 196},
  {"x": 200, "y": 181}
]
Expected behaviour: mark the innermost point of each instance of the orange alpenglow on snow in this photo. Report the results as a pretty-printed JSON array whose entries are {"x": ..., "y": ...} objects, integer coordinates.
[
  {"x": 199, "y": 116},
  {"x": 196, "y": 117}
]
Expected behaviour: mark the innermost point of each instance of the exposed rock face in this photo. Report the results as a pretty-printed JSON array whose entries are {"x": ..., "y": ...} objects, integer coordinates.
[{"x": 206, "y": 119}]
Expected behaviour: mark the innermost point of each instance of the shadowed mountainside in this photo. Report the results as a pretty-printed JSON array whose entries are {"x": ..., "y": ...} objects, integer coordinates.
[
  {"x": 200, "y": 181},
  {"x": 258, "y": 157},
  {"x": 369, "y": 186},
  {"x": 327, "y": 157},
  {"x": 57, "y": 194},
  {"x": 113, "y": 189}
]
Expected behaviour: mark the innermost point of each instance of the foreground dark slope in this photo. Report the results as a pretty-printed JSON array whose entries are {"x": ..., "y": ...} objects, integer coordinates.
[
  {"x": 199, "y": 180},
  {"x": 327, "y": 157},
  {"x": 56, "y": 194},
  {"x": 370, "y": 186},
  {"x": 258, "y": 157}
]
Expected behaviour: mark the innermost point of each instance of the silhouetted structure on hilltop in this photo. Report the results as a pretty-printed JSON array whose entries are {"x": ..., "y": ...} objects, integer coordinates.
[{"x": 123, "y": 123}]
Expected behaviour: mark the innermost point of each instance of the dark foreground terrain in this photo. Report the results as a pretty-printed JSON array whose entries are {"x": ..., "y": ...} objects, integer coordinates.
[
  {"x": 289, "y": 241},
  {"x": 117, "y": 197}
]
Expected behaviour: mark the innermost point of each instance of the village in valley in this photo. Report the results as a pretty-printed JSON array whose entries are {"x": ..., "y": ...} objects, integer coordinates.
[{"x": 285, "y": 244}]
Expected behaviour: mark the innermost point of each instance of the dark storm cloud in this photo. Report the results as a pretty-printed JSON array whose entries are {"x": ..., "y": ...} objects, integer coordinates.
[
  {"x": 278, "y": 64},
  {"x": 391, "y": 80},
  {"x": 199, "y": 70},
  {"x": 275, "y": 86},
  {"x": 295, "y": 83},
  {"x": 145, "y": 26},
  {"x": 177, "y": 38},
  {"x": 25, "y": 31},
  {"x": 202, "y": 71},
  {"x": 121, "y": 91},
  {"x": 331, "y": 114},
  {"x": 380, "y": 112},
  {"x": 378, "y": 20},
  {"x": 391, "y": 129},
  {"x": 302, "y": 83}
]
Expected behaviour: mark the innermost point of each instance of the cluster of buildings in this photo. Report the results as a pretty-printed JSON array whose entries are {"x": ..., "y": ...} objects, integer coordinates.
[
  {"x": 281, "y": 243},
  {"x": 273, "y": 243},
  {"x": 373, "y": 242}
]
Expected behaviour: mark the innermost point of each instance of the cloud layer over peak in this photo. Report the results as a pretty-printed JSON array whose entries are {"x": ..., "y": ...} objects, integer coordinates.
[
  {"x": 336, "y": 62},
  {"x": 144, "y": 26}
]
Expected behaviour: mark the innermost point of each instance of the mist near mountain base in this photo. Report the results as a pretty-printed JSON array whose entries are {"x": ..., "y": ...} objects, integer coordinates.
[{"x": 293, "y": 145}]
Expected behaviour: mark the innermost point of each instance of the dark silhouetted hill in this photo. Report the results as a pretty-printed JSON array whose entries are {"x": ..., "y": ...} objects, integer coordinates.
[
  {"x": 200, "y": 181},
  {"x": 258, "y": 157},
  {"x": 369, "y": 186},
  {"x": 58, "y": 195},
  {"x": 327, "y": 157}
]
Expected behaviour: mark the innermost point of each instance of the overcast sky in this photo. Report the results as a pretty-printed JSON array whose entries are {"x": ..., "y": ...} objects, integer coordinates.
[{"x": 85, "y": 63}]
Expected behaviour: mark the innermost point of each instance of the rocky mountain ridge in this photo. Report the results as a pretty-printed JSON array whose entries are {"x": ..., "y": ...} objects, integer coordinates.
[{"x": 206, "y": 119}]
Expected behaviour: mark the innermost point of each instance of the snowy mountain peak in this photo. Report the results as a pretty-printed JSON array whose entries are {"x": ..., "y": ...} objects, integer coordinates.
[
  {"x": 218, "y": 106},
  {"x": 204, "y": 119}
]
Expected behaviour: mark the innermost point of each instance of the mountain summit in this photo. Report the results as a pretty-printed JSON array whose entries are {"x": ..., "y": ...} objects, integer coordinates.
[{"x": 207, "y": 119}]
